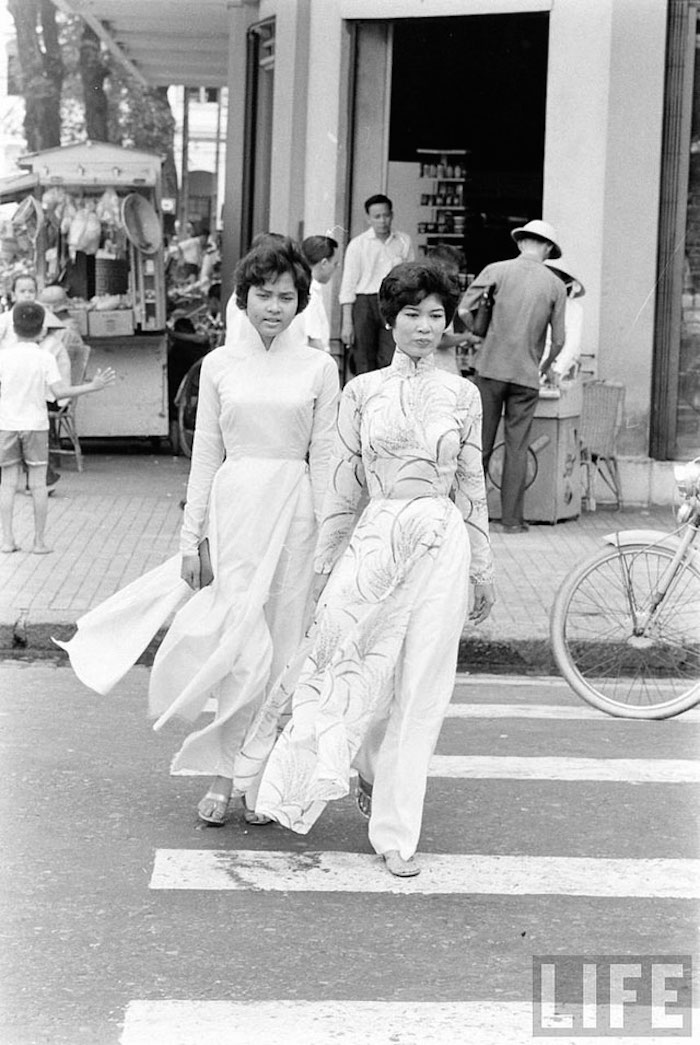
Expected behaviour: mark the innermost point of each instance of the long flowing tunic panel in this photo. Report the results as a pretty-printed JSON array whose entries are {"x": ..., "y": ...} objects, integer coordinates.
[
  {"x": 265, "y": 424},
  {"x": 409, "y": 438}
]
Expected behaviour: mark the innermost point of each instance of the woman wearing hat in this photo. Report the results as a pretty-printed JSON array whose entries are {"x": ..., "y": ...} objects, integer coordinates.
[{"x": 528, "y": 299}]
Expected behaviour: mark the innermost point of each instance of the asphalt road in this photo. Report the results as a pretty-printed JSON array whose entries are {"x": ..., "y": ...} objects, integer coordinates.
[{"x": 549, "y": 829}]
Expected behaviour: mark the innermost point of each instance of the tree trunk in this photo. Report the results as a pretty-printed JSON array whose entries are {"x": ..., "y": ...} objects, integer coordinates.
[
  {"x": 93, "y": 72},
  {"x": 169, "y": 168},
  {"x": 42, "y": 71}
]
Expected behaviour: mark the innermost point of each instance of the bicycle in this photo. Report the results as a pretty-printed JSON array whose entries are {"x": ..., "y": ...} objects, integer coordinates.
[
  {"x": 625, "y": 625},
  {"x": 186, "y": 402},
  {"x": 187, "y": 395}
]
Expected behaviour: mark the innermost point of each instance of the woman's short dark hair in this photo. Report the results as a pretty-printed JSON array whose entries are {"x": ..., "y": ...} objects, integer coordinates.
[
  {"x": 316, "y": 248},
  {"x": 410, "y": 282},
  {"x": 268, "y": 261}
]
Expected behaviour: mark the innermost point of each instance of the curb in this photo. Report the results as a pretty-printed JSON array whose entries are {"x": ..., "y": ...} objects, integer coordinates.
[{"x": 25, "y": 640}]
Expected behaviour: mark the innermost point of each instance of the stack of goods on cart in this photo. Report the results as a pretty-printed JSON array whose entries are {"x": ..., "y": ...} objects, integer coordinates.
[
  {"x": 87, "y": 251},
  {"x": 14, "y": 261},
  {"x": 19, "y": 229}
]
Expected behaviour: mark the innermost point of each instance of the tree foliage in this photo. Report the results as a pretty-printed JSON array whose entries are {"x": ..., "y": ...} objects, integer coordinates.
[
  {"x": 74, "y": 89},
  {"x": 42, "y": 70}
]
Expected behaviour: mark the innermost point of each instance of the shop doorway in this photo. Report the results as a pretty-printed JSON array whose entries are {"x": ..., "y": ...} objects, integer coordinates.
[
  {"x": 459, "y": 111},
  {"x": 257, "y": 150}
]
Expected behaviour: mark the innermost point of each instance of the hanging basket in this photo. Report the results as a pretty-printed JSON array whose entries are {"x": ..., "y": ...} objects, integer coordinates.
[
  {"x": 28, "y": 218},
  {"x": 142, "y": 224}
]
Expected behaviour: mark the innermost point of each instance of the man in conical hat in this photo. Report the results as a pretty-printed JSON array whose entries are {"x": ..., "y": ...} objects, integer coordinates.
[{"x": 528, "y": 299}]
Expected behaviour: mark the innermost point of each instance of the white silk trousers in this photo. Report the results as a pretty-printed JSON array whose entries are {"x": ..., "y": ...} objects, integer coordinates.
[{"x": 397, "y": 748}]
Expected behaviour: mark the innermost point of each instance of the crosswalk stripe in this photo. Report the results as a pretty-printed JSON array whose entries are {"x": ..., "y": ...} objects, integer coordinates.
[
  {"x": 515, "y": 767},
  {"x": 556, "y": 711},
  {"x": 565, "y": 712},
  {"x": 539, "y": 682},
  {"x": 342, "y": 1023},
  {"x": 613, "y": 770},
  {"x": 255, "y": 870}
]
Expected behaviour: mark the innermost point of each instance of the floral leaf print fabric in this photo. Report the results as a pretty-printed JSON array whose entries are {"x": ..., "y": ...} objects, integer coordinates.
[{"x": 408, "y": 437}]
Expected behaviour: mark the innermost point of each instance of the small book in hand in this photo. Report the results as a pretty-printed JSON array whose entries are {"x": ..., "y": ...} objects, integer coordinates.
[{"x": 206, "y": 573}]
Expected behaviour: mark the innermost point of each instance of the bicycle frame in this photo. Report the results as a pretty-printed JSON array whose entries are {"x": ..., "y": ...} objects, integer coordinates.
[{"x": 683, "y": 552}]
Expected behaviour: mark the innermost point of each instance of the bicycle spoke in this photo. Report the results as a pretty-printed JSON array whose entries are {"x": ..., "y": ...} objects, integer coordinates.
[{"x": 622, "y": 640}]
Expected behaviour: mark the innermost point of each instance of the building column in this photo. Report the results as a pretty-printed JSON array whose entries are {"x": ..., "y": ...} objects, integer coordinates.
[
  {"x": 241, "y": 16},
  {"x": 292, "y": 20},
  {"x": 605, "y": 94}
]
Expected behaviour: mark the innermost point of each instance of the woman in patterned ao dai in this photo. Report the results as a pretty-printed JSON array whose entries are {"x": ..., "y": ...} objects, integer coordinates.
[
  {"x": 373, "y": 684},
  {"x": 267, "y": 405}
]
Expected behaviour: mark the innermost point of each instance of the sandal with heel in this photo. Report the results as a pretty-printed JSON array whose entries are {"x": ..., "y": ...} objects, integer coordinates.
[
  {"x": 399, "y": 867},
  {"x": 253, "y": 818},
  {"x": 363, "y": 797},
  {"x": 213, "y": 809}
]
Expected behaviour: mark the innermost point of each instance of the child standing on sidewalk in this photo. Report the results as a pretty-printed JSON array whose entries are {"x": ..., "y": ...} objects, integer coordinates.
[{"x": 26, "y": 371}]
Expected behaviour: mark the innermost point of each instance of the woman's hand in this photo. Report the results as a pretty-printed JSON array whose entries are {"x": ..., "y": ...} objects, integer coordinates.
[
  {"x": 189, "y": 571},
  {"x": 484, "y": 598}
]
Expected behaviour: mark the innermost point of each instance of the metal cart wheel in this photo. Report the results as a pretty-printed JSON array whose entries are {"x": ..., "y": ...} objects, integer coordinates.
[{"x": 186, "y": 402}]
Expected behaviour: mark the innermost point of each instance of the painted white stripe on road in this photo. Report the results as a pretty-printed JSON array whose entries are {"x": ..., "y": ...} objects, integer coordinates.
[
  {"x": 362, "y": 873},
  {"x": 339, "y": 1023},
  {"x": 483, "y": 679},
  {"x": 516, "y": 767},
  {"x": 560, "y": 711},
  {"x": 613, "y": 770},
  {"x": 565, "y": 712}
]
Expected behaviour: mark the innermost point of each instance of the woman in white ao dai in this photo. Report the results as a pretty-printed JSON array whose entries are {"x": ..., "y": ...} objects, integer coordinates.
[
  {"x": 264, "y": 432},
  {"x": 372, "y": 686}
]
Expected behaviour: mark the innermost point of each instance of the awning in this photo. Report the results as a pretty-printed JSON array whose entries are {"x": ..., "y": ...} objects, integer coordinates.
[
  {"x": 12, "y": 187},
  {"x": 163, "y": 42}
]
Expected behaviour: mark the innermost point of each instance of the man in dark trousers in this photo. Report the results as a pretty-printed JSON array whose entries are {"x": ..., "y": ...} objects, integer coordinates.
[
  {"x": 370, "y": 257},
  {"x": 528, "y": 297}
]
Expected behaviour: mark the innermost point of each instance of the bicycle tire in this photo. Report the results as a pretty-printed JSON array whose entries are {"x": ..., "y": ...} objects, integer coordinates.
[
  {"x": 596, "y": 651},
  {"x": 187, "y": 399}
]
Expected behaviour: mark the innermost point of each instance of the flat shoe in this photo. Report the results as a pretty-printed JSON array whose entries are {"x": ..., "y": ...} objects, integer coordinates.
[
  {"x": 253, "y": 818},
  {"x": 400, "y": 867},
  {"x": 213, "y": 809},
  {"x": 363, "y": 797}
]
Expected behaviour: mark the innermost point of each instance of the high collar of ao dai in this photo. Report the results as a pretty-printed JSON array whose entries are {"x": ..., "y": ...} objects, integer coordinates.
[
  {"x": 408, "y": 367},
  {"x": 245, "y": 340}
]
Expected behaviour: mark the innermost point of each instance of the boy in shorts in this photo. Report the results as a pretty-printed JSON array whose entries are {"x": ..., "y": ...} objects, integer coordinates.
[{"x": 26, "y": 372}]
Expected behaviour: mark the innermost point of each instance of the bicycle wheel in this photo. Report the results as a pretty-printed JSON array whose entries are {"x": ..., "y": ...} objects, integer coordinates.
[
  {"x": 592, "y": 628},
  {"x": 186, "y": 399}
]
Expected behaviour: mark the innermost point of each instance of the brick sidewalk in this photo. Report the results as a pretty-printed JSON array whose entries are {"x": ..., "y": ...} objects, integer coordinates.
[{"x": 122, "y": 516}]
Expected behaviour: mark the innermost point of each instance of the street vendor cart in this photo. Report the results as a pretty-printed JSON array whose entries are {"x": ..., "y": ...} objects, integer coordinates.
[
  {"x": 553, "y": 484},
  {"x": 91, "y": 213}
]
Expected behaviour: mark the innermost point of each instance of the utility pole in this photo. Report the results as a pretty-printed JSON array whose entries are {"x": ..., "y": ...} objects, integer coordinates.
[{"x": 183, "y": 207}]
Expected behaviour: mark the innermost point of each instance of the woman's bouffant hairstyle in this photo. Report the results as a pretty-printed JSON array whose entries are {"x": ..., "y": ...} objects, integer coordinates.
[
  {"x": 316, "y": 248},
  {"x": 269, "y": 259},
  {"x": 410, "y": 282}
]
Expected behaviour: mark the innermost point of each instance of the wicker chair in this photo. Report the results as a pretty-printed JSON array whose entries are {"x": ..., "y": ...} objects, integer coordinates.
[
  {"x": 62, "y": 421},
  {"x": 601, "y": 420}
]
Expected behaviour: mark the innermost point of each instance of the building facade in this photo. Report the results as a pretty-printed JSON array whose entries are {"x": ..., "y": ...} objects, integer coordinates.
[{"x": 552, "y": 108}]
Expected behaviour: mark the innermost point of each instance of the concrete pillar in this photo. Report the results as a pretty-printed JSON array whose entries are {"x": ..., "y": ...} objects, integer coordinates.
[
  {"x": 602, "y": 168},
  {"x": 292, "y": 19},
  {"x": 240, "y": 18}
]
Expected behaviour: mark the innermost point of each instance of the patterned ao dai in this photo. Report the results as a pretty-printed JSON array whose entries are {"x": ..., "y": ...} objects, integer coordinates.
[{"x": 372, "y": 683}]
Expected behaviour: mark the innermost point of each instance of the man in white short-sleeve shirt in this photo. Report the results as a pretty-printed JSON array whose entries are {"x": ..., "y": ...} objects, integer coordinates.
[{"x": 370, "y": 257}]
